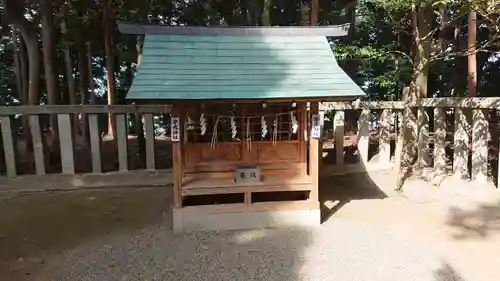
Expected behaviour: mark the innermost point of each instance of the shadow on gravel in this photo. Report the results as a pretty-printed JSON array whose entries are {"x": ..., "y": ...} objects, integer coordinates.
[
  {"x": 447, "y": 273},
  {"x": 127, "y": 235},
  {"x": 338, "y": 191},
  {"x": 155, "y": 253},
  {"x": 480, "y": 222},
  {"x": 36, "y": 226}
]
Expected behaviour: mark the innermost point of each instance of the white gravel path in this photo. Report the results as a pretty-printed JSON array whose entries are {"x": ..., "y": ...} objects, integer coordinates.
[{"x": 344, "y": 251}]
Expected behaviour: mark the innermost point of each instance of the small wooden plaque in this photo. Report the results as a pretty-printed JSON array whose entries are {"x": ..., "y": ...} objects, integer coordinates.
[
  {"x": 175, "y": 129},
  {"x": 316, "y": 126},
  {"x": 247, "y": 174}
]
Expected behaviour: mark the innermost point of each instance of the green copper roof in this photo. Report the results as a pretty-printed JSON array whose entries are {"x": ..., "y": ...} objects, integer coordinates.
[{"x": 239, "y": 67}]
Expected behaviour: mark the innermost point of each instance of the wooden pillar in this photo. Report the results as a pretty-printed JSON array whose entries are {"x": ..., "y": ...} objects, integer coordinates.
[
  {"x": 314, "y": 151},
  {"x": 8, "y": 146},
  {"x": 384, "y": 137},
  {"x": 66, "y": 144},
  {"x": 461, "y": 145},
  {"x": 177, "y": 157},
  {"x": 302, "y": 132},
  {"x": 364, "y": 136},
  {"x": 150, "y": 142},
  {"x": 36, "y": 138},
  {"x": 122, "y": 141},
  {"x": 339, "y": 122},
  {"x": 440, "y": 141},
  {"x": 408, "y": 139},
  {"x": 480, "y": 129},
  {"x": 95, "y": 143},
  {"x": 423, "y": 138}
]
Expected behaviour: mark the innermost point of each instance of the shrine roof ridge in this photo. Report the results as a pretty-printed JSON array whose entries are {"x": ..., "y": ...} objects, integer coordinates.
[{"x": 327, "y": 31}]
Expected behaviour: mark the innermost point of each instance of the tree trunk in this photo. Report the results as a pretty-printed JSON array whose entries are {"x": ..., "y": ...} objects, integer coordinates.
[
  {"x": 110, "y": 65},
  {"x": 90, "y": 73},
  {"x": 23, "y": 60},
  {"x": 315, "y": 12},
  {"x": 304, "y": 13},
  {"x": 351, "y": 66},
  {"x": 68, "y": 66},
  {"x": 471, "y": 58},
  {"x": 34, "y": 68},
  {"x": 421, "y": 27},
  {"x": 457, "y": 74},
  {"x": 420, "y": 21},
  {"x": 20, "y": 71},
  {"x": 84, "y": 83},
  {"x": 251, "y": 12},
  {"x": 49, "y": 49},
  {"x": 141, "y": 141},
  {"x": 17, "y": 66},
  {"x": 28, "y": 30},
  {"x": 265, "y": 18},
  {"x": 84, "y": 75},
  {"x": 69, "y": 76}
]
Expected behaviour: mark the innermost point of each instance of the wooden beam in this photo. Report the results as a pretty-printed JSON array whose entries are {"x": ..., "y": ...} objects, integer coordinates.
[
  {"x": 122, "y": 140},
  {"x": 384, "y": 137},
  {"x": 315, "y": 150},
  {"x": 95, "y": 143},
  {"x": 440, "y": 141},
  {"x": 480, "y": 131},
  {"x": 423, "y": 138},
  {"x": 364, "y": 135},
  {"x": 361, "y": 105},
  {"x": 68, "y": 109},
  {"x": 150, "y": 141},
  {"x": 177, "y": 159},
  {"x": 492, "y": 103},
  {"x": 8, "y": 146},
  {"x": 461, "y": 145},
  {"x": 36, "y": 138},
  {"x": 301, "y": 132},
  {"x": 339, "y": 122},
  {"x": 66, "y": 144}
]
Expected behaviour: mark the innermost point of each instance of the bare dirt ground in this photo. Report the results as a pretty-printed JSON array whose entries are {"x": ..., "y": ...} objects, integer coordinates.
[
  {"x": 43, "y": 235},
  {"x": 35, "y": 227}
]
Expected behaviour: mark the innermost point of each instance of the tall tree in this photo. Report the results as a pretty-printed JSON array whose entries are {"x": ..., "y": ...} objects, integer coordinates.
[
  {"x": 17, "y": 65},
  {"x": 49, "y": 57},
  {"x": 90, "y": 72},
  {"x": 14, "y": 12},
  {"x": 471, "y": 49},
  {"x": 265, "y": 17},
  {"x": 110, "y": 61},
  {"x": 314, "y": 12}
]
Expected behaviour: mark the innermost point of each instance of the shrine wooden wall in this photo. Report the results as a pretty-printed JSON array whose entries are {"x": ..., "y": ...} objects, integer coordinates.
[{"x": 209, "y": 168}]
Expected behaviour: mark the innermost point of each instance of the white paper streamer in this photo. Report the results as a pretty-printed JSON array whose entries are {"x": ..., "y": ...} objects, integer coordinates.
[
  {"x": 295, "y": 124},
  {"x": 203, "y": 124},
  {"x": 263, "y": 126},
  {"x": 232, "y": 121}
]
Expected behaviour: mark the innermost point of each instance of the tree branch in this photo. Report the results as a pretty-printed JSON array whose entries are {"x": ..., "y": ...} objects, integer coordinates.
[{"x": 466, "y": 51}]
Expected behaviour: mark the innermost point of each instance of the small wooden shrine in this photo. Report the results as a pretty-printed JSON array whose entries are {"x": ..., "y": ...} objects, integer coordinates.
[{"x": 245, "y": 124}]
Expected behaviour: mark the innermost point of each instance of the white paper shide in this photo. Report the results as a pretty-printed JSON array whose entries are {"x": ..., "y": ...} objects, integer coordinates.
[
  {"x": 203, "y": 124},
  {"x": 295, "y": 123},
  {"x": 263, "y": 125},
  {"x": 234, "y": 131}
]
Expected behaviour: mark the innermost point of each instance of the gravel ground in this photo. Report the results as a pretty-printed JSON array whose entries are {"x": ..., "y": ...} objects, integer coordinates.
[{"x": 339, "y": 250}]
